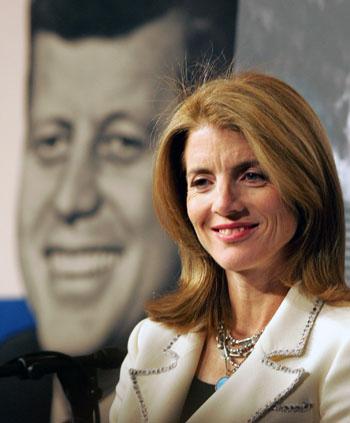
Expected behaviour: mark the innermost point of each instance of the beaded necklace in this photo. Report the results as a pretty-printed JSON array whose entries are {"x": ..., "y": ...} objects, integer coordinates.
[{"x": 232, "y": 349}]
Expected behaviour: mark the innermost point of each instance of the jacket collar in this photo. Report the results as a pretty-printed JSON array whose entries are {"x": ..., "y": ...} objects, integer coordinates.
[
  {"x": 163, "y": 377},
  {"x": 262, "y": 381},
  {"x": 162, "y": 383}
]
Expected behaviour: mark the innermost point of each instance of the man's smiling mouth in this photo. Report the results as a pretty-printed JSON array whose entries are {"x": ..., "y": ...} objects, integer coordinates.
[{"x": 65, "y": 262}]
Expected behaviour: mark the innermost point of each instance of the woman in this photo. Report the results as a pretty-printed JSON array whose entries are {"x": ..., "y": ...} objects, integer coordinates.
[{"x": 258, "y": 329}]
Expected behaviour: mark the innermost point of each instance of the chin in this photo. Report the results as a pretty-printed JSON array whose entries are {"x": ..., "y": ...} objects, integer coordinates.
[
  {"x": 76, "y": 340},
  {"x": 234, "y": 264}
]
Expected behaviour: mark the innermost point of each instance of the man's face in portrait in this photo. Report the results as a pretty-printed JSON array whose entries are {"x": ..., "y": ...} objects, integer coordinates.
[
  {"x": 90, "y": 247},
  {"x": 342, "y": 147},
  {"x": 347, "y": 131}
]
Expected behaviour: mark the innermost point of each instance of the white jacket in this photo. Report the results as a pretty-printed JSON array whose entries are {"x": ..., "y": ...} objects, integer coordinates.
[{"x": 299, "y": 371}]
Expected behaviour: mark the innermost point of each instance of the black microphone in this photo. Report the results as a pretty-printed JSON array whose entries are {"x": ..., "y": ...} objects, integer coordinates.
[
  {"x": 36, "y": 365},
  {"x": 107, "y": 358}
]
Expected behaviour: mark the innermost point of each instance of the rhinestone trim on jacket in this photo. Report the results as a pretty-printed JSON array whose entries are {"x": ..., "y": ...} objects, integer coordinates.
[
  {"x": 134, "y": 373},
  {"x": 267, "y": 360}
]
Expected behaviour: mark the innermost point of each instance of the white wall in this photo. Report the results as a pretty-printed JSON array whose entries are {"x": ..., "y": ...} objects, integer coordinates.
[{"x": 12, "y": 79}]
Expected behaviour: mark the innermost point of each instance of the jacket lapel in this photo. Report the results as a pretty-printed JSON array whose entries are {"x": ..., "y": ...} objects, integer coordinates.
[
  {"x": 262, "y": 380},
  {"x": 163, "y": 376},
  {"x": 161, "y": 383}
]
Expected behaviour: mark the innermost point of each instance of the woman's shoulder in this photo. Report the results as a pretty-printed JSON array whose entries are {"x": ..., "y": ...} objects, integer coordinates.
[
  {"x": 148, "y": 326},
  {"x": 150, "y": 333},
  {"x": 335, "y": 319}
]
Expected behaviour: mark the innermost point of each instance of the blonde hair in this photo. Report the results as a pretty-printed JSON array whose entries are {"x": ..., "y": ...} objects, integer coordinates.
[{"x": 292, "y": 147}]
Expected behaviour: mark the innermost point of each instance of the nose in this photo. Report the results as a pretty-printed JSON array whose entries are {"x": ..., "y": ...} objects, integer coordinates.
[
  {"x": 77, "y": 196},
  {"x": 226, "y": 201}
]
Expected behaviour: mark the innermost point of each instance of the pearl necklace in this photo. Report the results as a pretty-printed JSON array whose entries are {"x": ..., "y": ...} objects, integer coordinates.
[{"x": 231, "y": 349}]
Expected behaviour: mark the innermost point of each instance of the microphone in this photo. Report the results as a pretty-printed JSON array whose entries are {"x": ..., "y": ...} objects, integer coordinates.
[
  {"x": 107, "y": 358},
  {"x": 36, "y": 365}
]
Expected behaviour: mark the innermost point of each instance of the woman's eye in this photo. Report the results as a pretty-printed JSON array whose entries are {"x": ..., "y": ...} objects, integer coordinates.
[
  {"x": 119, "y": 148},
  {"x": 256, "y": 178},
  {"x": 51, "y": 149},
  {"x": 200, "y": 183}
]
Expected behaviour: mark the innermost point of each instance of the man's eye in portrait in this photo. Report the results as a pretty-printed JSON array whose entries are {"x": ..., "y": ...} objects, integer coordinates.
[
  {"x": 50, "y": 142},
  {"x": 119, "y": 149},
  {"x": 120, "y": 140},
  {"x": 51, "y": 148}
]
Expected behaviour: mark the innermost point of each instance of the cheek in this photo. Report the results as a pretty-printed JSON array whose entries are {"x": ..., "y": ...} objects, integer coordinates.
[
  {"x": 129, "y": 189},
  {"x": 280, "y": 220},
  {"x": 197, "y": 212},
  {"x": 194, "y": 210},
  {"x": 289, "y": 224},
  {"x": 284, "y": 221},
  {"x": 39, "y": 185}
]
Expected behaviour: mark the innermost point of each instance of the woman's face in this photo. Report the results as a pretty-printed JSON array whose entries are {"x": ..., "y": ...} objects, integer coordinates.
[{"x": 238, "y": 215}]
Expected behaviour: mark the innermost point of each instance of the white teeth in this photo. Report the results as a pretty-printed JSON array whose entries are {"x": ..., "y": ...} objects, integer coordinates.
[
  {"x": 81, "y": 264},
  {"x": 230, "y": 231},
  {"x": 225, "y": 231}
]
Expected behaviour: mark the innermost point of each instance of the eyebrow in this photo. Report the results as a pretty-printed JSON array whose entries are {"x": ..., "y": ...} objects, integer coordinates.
[
  {"x": 52, "y": 120},
  {"x": 123, "y": 116},
  {"x": 240, "y": 167},
  {"x": 114, "y": 116}
]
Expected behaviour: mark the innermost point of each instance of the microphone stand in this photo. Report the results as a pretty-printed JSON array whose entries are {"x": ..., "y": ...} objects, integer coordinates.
[
  {"x": 82, "y": 391},
  {"x": 78, "y": 377}
]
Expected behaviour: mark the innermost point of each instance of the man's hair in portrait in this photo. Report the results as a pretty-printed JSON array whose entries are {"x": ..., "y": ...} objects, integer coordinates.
[
  {"x": 209, "y": 23},
  {"x": 74, "y": 19},
  {"x": 209, "y": 26}
]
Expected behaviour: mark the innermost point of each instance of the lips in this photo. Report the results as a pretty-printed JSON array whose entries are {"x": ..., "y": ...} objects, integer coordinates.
[
  {"x": 234, "y": 231},
  {"x": 81, "y": 262}
]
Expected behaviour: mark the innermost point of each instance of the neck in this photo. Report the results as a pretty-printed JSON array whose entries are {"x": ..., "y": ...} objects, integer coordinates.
[{"x": 254, "y": 300}]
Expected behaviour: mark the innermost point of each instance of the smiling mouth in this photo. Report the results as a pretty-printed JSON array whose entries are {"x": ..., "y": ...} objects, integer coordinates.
[
  {"x": 235, "y": 232},
  {"x": 81, "y": 262}
]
